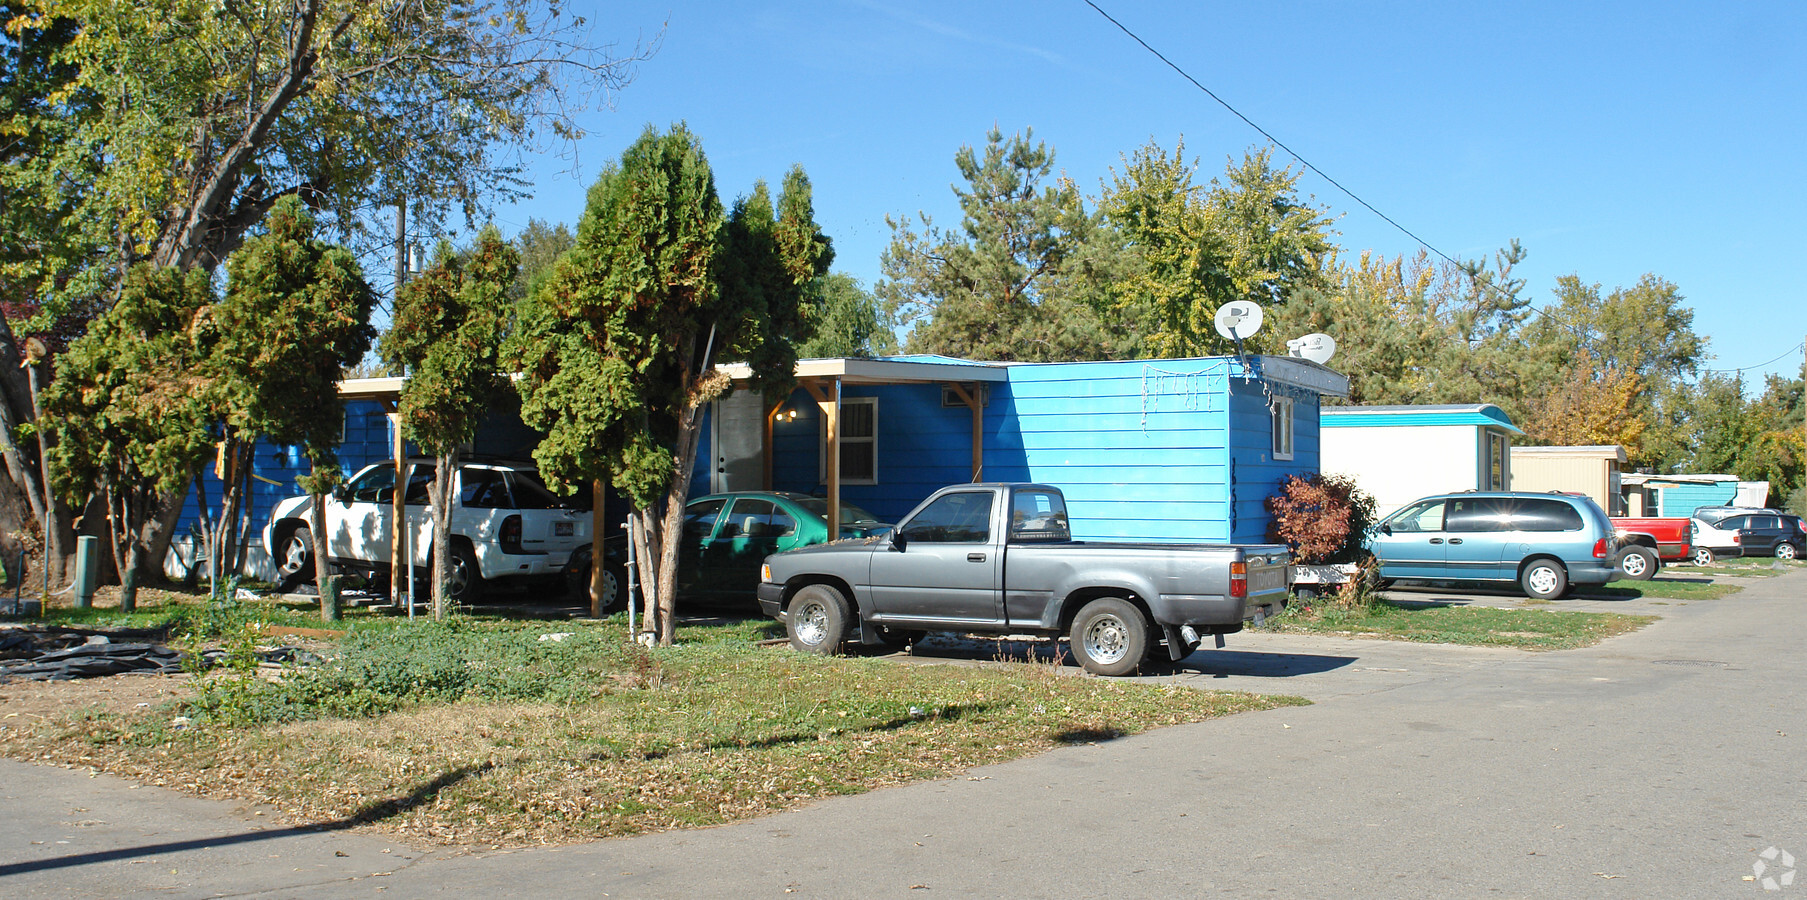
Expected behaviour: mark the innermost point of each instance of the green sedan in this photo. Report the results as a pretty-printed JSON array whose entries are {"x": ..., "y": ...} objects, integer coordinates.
[{"x": 727, "y": 536}]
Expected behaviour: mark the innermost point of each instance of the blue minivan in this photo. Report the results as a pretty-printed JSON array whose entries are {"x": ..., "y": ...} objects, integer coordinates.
[{"x": 1546, "y": 543}]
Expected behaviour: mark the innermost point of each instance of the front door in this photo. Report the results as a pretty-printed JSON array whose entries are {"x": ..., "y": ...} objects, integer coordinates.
[
  {"x": 1472, "y": 533},
  {"x": 737, "y": 440},
  {"x": 948, "y": 570},
  {"x": 749, "y": 533},
  {"x": 1410, "y": 543},
  {"x": 358, "y": 518}
]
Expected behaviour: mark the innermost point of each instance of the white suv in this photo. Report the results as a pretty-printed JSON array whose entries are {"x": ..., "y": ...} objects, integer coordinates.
[{"x": 506, "y": 525}]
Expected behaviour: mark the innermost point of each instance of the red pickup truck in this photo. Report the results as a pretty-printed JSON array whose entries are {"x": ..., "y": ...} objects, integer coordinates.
[{"x": 1648, "y": 540}]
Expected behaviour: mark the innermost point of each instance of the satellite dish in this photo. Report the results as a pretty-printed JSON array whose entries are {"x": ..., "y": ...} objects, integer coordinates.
[
  {"x": 1317, "y": 347},
  {"x": 1238, "y": 320}
]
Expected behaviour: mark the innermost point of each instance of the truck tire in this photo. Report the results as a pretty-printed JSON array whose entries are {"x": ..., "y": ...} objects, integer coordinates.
[
  {"x": 817, "y": 620},
  {"x": 1109, "y": 636},
  {"x": 1638, "y": 563},
  {"x": 1544, "y": 579},
  {"x": 295, "y": 558}
]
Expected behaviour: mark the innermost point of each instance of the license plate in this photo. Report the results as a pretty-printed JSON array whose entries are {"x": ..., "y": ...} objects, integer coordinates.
[
  {"x": 564, "y": 529},
  {"x": 1267, "y": 580}
]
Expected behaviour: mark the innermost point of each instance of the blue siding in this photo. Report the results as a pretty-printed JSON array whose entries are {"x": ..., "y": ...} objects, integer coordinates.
[
  {"x": 1139, "y": 447},
  {"x": 1176, "y": 450},
  {"x": 1684, "y": 499},
  {"x": 1256, "y": 475}
]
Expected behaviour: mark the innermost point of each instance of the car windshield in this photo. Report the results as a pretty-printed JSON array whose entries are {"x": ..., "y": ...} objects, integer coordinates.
[{"x": 850, "y": 514}]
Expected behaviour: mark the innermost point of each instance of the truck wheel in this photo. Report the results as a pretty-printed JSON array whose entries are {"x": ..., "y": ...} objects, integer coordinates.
[
  {"x": 1703, "y": 556},
  {"x": 1638, "y": 563},
  {"x": 295, "y": 558},
  {"x": 1544, "y": 579},
  {"x": 817, "y": 620},
  {"x": 1110, "y": 636}
]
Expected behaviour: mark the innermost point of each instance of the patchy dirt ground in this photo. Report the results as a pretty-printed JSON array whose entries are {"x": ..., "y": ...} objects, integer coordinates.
[{"x": 38, "y": 700}]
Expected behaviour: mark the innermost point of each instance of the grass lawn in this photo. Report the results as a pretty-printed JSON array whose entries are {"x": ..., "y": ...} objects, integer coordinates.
[
  {"x": 1527, "y": 629},
  {"x": 1741, "y": 567},
  {"x": 1660, "y": 587},
  {"x": 505, "y": 734}
]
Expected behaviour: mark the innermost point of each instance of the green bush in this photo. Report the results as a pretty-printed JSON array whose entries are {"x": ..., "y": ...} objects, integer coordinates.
[{"x": 373, "y": 671}]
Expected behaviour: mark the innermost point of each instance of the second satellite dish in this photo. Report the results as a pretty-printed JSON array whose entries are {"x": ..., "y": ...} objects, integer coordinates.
[
  {"x": 1317, "y": 347},
  {"x": 1239, "y": 319}
]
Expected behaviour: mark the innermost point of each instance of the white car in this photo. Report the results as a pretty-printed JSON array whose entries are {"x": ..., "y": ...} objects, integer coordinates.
[
  {"x": 1712, "y": 542},
  {"x": 506, "y": 525}
]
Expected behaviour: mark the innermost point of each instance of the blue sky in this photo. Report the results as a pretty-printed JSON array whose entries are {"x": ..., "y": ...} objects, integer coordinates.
[{"x": 1612, "y": 139}]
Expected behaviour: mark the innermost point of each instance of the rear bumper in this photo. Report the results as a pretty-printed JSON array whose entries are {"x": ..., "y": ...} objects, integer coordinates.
[{"x": 1593, "y": 572}]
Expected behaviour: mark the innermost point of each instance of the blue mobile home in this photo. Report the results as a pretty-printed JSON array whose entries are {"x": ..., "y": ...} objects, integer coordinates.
[
  {"x": 1157, "y": 450},
  {"x": 1165, "y": 450}
]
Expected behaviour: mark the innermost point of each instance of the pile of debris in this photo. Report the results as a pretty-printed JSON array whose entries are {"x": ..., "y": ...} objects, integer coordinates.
[{"x": 62, "y": 654}]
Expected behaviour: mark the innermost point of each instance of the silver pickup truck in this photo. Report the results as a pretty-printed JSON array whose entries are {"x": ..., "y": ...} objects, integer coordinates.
[{"x": 1000, "y": 559}]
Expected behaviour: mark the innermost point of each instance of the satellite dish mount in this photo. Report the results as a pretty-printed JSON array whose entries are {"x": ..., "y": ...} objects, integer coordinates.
[{"x": 1236, "y": 320}]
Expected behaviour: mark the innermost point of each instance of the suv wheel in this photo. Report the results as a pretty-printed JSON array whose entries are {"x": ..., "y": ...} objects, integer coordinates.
[
  {"x": 1787, "y": 550},
  {"x": 1544, "y": 579},
  {"x": 1703, "y": 556}
]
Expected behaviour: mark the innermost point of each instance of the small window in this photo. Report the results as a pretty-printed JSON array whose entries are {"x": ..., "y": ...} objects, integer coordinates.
[
  {"x": 699, "y": 518},
  {"x": 420, "y": 486},
  {"x": 951, "y": 400},
  {"x": 1477, "y": 514},
  {"x": 749, "y": 518},
  {"x": 958, "y": 518},
  {"x": 1546, "y": 515},
  {"x": 374, "y": 486},
  {"x": 1040, "y": 517},
  {"x": 483, "y": 489},
  {"x": 859, "y": 441},
  {"x": 1282, "y": 408},
  {"x": 1418, "y": 518},
  {"x": 1496, "y": 462}
]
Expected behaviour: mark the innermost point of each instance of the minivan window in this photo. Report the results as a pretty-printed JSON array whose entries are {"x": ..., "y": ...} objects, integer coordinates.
[
  {"x": 1475, "y": 514},
  {"x": 1419, "y": 517},
  {"x": 1546, "y": 515}
]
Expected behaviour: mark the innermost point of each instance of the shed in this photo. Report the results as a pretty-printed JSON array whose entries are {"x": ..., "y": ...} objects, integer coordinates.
[
  {"x": 1594, "y": 471},
  {"x": 1401, "y": 453}
]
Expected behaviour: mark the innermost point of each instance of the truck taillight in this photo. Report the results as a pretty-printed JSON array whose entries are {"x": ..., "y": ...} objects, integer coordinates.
[
  {"x": 1600, "y": 549},
  {"x": 1239, "y": 580},
  {"x": 510, "y": 535}
]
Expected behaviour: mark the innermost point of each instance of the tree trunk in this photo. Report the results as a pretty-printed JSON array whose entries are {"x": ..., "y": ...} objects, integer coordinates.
[
  {"x": 645, "y": 535},
  {"x": 690, "y": 430},
  {"x": 226, "y": 527},
  {"x": 442, "y": 533}
]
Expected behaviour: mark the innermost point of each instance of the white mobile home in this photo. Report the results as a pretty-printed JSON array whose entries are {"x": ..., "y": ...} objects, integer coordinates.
[{"x": 1401, "y": 453}]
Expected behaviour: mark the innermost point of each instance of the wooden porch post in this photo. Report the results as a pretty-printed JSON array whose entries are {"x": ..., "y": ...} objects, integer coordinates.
[
  {"x": 828, "y": 398},
  {"x": 971, "y": 399},
  {"x": 771, "y": 419}
]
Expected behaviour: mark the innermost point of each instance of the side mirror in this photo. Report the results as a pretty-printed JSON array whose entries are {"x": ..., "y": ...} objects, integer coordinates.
[
  {"x": 1386, "y": 529},
  {"x": 898, "y": 541},
  {"x": 342, "y": 493}
]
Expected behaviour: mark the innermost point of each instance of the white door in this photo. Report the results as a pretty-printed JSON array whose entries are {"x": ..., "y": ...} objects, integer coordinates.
[{"x": 737, "y": 441}]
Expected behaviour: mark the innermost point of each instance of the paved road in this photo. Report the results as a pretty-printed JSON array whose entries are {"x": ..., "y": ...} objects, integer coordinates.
[{"x": 1659, "y": 764}]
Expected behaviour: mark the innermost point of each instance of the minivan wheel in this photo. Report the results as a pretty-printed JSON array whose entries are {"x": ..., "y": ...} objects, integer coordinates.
[
  {"x": 1638, "y": 563},
  {"x": 1544, "y": 579},
  {"x": 1703, "y": 556}
]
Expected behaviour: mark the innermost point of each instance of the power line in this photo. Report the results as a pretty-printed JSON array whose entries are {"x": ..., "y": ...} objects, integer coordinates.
[
  {"x": 1320, "y": 172},
  {"x": 1785, "y": 354}
]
